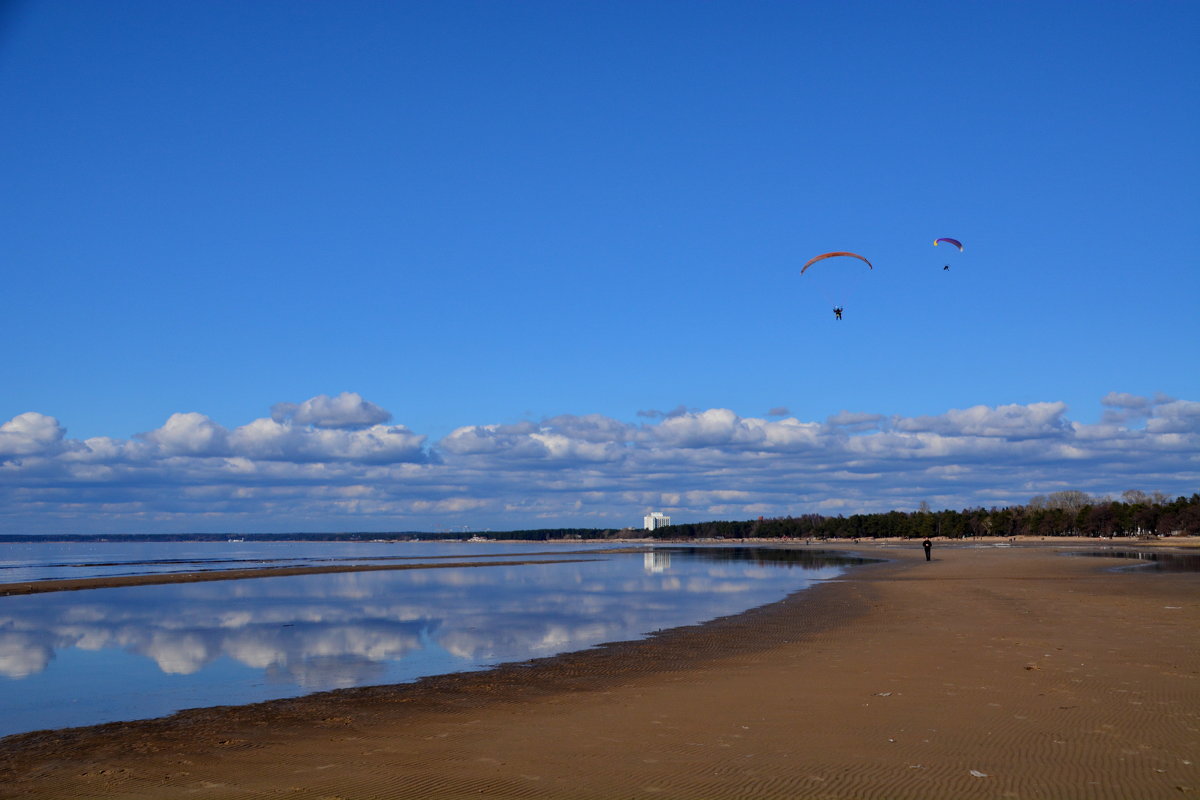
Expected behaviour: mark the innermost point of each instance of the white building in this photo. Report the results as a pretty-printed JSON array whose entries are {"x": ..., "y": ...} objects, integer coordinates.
[{"x": 655, "y": 520}]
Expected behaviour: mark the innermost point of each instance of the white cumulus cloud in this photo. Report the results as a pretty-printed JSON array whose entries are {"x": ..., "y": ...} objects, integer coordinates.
[
  {"x": 30, "y": 433},
  {"x": 1036, "y": 420},
  {"x": 331, "y": 463},
  {"x": 346, "y": 410},
  {"x": 189, "y": 434}
]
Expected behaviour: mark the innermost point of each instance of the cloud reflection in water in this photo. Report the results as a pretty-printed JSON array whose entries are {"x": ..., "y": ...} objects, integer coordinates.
[{"x": 249, "y": 640}]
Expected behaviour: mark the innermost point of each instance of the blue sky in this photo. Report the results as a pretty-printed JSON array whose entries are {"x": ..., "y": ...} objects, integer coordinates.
[{"x": 394, "y": 266}]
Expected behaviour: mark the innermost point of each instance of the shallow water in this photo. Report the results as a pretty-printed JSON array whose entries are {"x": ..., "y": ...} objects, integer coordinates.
[
  {"x": 101, "y": 655},
  {"x": 1151, "y": 560},
  {"x": 35, "y": 561}
]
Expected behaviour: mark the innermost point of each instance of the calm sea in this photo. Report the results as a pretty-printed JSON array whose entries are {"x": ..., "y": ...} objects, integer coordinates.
[{"x": 102, "y": 655}]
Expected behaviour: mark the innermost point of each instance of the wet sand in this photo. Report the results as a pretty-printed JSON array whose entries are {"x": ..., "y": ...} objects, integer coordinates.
[{"x": 989, "y": 672}]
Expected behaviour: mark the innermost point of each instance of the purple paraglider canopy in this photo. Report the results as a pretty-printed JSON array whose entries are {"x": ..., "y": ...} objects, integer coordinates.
[{"x": 954, "y": 242}]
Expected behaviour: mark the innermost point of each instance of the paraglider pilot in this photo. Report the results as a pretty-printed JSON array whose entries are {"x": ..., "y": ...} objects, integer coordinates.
[{"x": 837, "y": 312}]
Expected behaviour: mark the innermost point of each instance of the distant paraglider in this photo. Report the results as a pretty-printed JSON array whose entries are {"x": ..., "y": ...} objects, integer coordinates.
[{"x": 954, "y": 242}]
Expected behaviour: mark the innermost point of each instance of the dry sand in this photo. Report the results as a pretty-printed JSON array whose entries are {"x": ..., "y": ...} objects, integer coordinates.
[{"x": 987, "y": 673}]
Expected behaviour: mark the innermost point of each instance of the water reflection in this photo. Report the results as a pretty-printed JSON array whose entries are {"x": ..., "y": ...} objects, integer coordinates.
[
  {"x": 75, "y": 658},
  {"x": 656, "y": 561},
  {"x": 1151, "y": 560}
]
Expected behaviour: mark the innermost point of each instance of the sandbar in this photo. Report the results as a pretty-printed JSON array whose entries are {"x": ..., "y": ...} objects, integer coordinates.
[
  {"x": 161, "y": 578},
  {"x": 988, "y": 672}
]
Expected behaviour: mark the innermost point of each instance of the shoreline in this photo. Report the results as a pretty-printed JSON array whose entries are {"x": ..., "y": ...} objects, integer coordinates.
[
  {"x": 1182, "y": 544},
  {"x": 981, "y": 660},
  {"x": 160, "y": 578}
]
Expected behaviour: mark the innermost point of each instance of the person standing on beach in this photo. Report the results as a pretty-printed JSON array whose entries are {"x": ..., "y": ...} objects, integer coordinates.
[{"x": 928, "y": 545}]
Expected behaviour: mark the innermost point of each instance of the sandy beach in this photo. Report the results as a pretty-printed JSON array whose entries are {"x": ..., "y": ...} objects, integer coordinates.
[{"x": 988, "y": 672}]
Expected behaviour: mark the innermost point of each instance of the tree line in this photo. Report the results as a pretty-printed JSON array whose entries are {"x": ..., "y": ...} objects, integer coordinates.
[{"x": 1059, "y": 514}]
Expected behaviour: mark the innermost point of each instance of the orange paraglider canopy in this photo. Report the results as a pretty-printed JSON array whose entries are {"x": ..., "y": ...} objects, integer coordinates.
[{"x": 823, "y": 256}]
